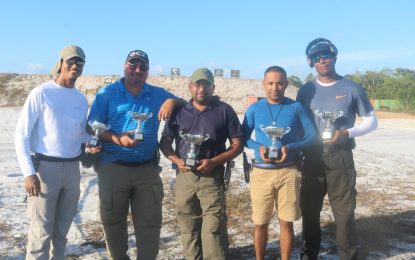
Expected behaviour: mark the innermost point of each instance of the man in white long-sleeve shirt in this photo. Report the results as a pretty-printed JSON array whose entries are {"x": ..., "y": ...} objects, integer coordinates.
[{"x": 52, "y": 125}]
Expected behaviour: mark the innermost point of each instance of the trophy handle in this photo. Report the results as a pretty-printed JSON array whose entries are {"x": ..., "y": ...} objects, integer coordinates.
[
  {"x": 262, "y": 128},
  {"x": 339, "y": 114},
  {"x": 150, "y": 115},
  {"x": 317, "y": 112},
  {"x": 181, "y": 134},
  {"x": 207, "y": 136},
  {"x": 287, "y": 130}
]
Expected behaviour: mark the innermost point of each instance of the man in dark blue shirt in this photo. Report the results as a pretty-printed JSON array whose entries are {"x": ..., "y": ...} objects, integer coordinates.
[
  {"x": 200, "y": 199},
  {"x": 275, "y": 180}
]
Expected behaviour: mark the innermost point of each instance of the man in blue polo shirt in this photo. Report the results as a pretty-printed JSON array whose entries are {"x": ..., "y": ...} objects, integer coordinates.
[
  {"x": 275, "y": 179},
  {"x": 200, "y": 199},
  {"x": 128, "y": 172}
]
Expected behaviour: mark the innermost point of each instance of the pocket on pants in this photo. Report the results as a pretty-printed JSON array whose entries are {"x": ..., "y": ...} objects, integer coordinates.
[
  {"x": 31, "y": 207},
  {"x": 106, "y": 198},
  {"x": 158, "y": 193}
]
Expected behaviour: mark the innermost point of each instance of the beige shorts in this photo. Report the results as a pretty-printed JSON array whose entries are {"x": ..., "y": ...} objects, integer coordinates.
[{"x": 279, "y": 186}]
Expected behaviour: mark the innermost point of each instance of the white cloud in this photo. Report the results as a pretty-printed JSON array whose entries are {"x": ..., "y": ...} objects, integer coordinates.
[
  {"x": 35, "y": 67},
  {"x": 157, "y": 70}
]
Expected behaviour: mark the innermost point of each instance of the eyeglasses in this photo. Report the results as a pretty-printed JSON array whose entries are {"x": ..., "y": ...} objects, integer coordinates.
[
  {"x": 316, "y": 59},
  {"x": 133, "y": 66},
  {"x": 71, "y": 62},
  {"x": 202, "y": 84}
]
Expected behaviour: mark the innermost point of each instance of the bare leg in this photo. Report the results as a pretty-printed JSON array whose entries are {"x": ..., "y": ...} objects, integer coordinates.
[
  {"x": 286, "y": 239},
  {"x": 260, "y": 240}
]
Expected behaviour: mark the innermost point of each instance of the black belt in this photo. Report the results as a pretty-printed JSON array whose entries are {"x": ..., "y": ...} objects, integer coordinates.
[
  {"x": 132, "y": 164},
  {"x": 42, "y": 157},
  {"x": 272, "y": 165}
]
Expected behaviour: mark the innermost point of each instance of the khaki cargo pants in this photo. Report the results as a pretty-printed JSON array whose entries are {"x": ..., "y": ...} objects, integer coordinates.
[{"x": 201, "y": 213}]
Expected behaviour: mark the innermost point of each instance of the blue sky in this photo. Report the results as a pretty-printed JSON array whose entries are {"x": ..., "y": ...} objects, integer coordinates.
[{"x": 245, "y": 35}]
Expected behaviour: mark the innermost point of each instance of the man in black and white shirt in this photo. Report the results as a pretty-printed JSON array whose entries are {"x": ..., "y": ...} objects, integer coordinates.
[{"x": 329, "y": 166}]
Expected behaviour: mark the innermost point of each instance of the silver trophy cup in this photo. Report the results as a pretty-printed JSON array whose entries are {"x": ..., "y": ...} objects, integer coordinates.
[
  {"x": 194, "y": 141},
  {"x": 98, "y": 128},
  {"x": 139, "y": 118},
  {"x": 274, "y": 133},
  {"x": 329, "y": 118}
]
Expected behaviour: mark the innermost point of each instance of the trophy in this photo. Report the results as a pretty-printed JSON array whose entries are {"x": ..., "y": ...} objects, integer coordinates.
[
  {"x": 330, "y": 118},
  {"x": 98, "y": 128},
  {"x": 274, "y": 133},
  {"x": 194, "y": 141},
  {"x": 139, "y": 118}
]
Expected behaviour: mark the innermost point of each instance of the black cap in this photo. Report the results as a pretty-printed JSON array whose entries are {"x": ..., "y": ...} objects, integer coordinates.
[
  {"x": 320, "y": 45},
  {"x": 137, "y": 54}
]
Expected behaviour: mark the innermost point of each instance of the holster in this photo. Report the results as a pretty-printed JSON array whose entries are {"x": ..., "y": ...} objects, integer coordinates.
[
  {"x": 247, "y": 167},
  {"x": 299, "y": 161},
  {"x": 89, "y": 160},
  {"x": 227, "y": 174}
]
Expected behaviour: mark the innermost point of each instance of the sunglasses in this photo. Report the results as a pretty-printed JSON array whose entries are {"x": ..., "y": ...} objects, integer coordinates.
[
  {"x": 71, "y": 62},
  {"x": 316, "y": 59},
  {"x": 133, "y": 66}
]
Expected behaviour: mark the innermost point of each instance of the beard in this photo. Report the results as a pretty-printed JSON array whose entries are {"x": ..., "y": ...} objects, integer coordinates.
[{"x": 202, "y": 100}]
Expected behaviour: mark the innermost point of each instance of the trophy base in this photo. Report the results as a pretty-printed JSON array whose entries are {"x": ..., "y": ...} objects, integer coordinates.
[
  {"x": 93, "y": 143},
  {"x": 273, "y": 154},
  {"x": 191, "y": 162},
  {"x": 138, "y": 137}
]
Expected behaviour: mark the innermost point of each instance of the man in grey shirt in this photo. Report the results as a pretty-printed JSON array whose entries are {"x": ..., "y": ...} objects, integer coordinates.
[{"x": 329, "y": 166}]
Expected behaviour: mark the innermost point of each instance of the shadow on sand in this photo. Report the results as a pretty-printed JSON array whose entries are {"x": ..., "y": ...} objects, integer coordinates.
[{"x": 379, "y": 237}]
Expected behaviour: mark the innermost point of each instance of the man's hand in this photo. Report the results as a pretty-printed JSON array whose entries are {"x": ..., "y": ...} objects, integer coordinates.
[
  {"x": 284, "y": 151},
  {"x": 181, "y": 165},
  {"x": 32, "y": 185},
  {"x": 166, "y": 109},
  {"x": 339, "y": 137},
  {"x": 93, "y": 149},
  {"x": 262, "y": 152},
  {"x": 125, "y": 140},
  {"x": 205, "y": 165}
]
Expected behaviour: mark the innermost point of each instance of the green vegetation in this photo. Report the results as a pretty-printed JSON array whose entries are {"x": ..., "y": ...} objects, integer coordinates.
[{"x": 398, "y": 85}]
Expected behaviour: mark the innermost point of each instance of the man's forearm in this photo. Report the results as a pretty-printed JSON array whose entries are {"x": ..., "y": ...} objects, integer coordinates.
[
  {"x": 108, "y": 136},
  {"x": 233, "y": 151}
]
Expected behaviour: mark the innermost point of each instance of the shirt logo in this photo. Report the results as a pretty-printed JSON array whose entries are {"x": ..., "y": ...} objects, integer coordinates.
[{"x": 340, "y": 97}]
